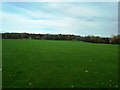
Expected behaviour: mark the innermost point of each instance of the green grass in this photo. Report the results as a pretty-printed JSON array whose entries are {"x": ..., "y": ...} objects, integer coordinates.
[
  {"x": 0, "y": 63},
  {"x": 59, "y": 64}
]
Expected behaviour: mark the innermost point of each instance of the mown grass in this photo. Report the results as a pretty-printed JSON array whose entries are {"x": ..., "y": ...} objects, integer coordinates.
[
  {"x": 0, "y": 63},
  {"x": 59, "y": 64}
]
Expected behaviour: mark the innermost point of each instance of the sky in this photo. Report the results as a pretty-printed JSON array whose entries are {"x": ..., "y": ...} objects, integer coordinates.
[
  {"x": 79, "y": 18},
  {"x": 59, "y": 0}
]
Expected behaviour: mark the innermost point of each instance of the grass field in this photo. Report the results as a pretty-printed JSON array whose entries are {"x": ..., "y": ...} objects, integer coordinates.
[
  {"x": 0, "y": 63},
  {"x": 59, "y": 64}
]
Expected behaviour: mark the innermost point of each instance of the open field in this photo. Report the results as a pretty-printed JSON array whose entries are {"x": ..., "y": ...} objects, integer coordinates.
[
  {"x": 0, "y": 63},
  {"x": 63, "y": 64}
]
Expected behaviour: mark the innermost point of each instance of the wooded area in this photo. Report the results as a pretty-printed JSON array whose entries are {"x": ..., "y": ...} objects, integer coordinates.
[{"x": 93, "y": 39}]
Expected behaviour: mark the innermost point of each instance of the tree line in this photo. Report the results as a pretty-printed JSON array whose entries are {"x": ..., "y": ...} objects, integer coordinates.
[{"x": 94, "y": 39}]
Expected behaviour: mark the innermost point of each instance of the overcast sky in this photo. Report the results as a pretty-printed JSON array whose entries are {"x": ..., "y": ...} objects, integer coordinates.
[
  {"x": 59, "y": 0},
  {"x": 80, "y": 18}
]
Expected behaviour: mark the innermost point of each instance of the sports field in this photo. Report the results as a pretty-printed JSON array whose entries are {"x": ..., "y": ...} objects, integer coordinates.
[{"x": 59, "y": 64}]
